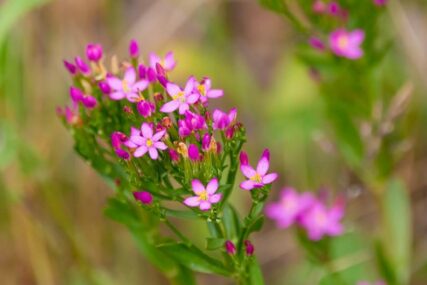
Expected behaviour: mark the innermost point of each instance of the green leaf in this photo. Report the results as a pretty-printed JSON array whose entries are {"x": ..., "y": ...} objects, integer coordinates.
[
  {"x": 121, "y": 212},
  {"x": 256, "y": 225},
  {"x": 194, "y": 259},
  {"x": 397, "y": 234},
  {"x": 255, "y": 274},
  {"x": 231, "y": 222},
  {"x": 214, "y": 243}
]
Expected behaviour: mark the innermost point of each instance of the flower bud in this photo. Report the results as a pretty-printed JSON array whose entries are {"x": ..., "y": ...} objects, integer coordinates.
[
  {"x": 72, "y": 69},
  {"x": 76, "y": 94},
  {"x": 105, "y": 87},
  {"x": 316, "y": 43},
  {"x": 142, "y": 71},
  {"x": 249, "y": 248},
  {"x": 230, "y": 248},
  {"x": 144, "y": 197},
  {"x": 133, "y": 49},
  {"x": 94, "y": 52},
  {"x": 166, "y": 122},
  {"x": 82, "y": 66},
  {"x": 193, "y": 153},
  {"x": 244, "y": 160},
  {"x": 89, "y": 101},
  {"x": 206, "y": 141},
  {"x": 151, "y": 75},
  {"x": 145, "y": 108},
  {"x": 158, "y": 97},
  {"x": 122, "y": 153},
  {"x": 173, "y": 155}
]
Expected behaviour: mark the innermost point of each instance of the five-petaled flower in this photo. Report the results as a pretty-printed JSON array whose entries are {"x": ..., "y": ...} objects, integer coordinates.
[
  {"x": 204, "y": 88},
  {"x": 205, "y": 196},
  {"x": 347, "y": 44},
  {"x": 127, "y": 87},
  {"x": 146, "y": 141},
  {"x": 181, "y": 99},
  {"x": 258, "y": 177},
  {"x": 168, "y": 63}
]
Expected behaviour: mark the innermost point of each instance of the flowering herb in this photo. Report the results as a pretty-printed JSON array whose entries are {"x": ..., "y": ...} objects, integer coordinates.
[{"x": 170, "y": 157}]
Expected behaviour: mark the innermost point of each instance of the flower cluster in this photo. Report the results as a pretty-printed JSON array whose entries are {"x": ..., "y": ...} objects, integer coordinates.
[{"x": 308, "y": 212}]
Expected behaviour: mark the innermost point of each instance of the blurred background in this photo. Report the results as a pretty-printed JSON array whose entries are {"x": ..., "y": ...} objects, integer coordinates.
[{"x": 52, "y": 227}]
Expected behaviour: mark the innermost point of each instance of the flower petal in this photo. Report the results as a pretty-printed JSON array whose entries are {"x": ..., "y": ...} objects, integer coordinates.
[
  {"x": 115, "y": 83},
  {"x": 172, "y": 89},
  {"x": 140, "y": 151},
  {"x": 132, "y": 97},
  {"x": 264, "y": 163},
  {"x": 269, "y": 178},
  {"x": 147, "y": 130},
  {"x": 117, "y": 95},
  {"x": 192, "y": 201},
  {"x": 212, "y": 186},
  {"x": 205, "y": 205},
  {"x": 247, "y": 170},
  {"x": 158, "y": 135},
  {"x": 247, "y": 185},
  {"x": 170, "y": 107},
  {"x": 169, "y": 61},
  {"x": 189, "y": 86},
  {"x": 215, "y": 198},
  {"x": 138, "y": 140},
  {"x": 183, "y": 107},
  {"x": 140, "y": 86},
  {"x": 197, "y": 186},
  {"x": 192, "y": 98},
  {"x": 154, "y": 154},
  {"x": 130, "y": 76},
  {"x": 215, "y": 93},
  {"x": 160, "y": 145}
]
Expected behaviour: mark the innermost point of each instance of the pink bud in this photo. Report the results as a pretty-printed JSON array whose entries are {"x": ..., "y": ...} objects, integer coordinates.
[
  {"x": 193, "y": 152},
  {"x": 230, "y": 247},
  {"x": 173, "y": 155},
  {"x": 316, "y": 43},
  {"x": 89, "y": 101},
  {"x": 76, "y": 94},
  {"x": 72, "y": 69},
  {"x": 144, "y": 197},
  {"x": 105, "y": 87},
  {"x": 244, "y": 160},
  {"x": 249, "y": 248},
  {"x": 133, "y": 49},
  {"x": 142, "y": 71},
  {"x": 82, "y": 66},
  {"x": 122, "y": 153},
  {"x": 94, "y": 52},
  {"x": 206, "y": 142}
]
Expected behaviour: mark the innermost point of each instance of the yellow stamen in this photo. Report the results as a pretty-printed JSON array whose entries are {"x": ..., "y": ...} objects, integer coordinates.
[
  {"x": 202, "y": 89},
  {"x": 257, "y": 178},
  {"x": 125, "y": 86},
  {"x": 203, "y": 195},
  {"x": 149, "y": 142},
  {"x": 343, "y": 42},
  {"x": 178, "y": 96}
]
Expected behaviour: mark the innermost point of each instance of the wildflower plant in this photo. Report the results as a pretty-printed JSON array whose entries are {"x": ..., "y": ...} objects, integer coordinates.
[{"x": 169, "y": 158}]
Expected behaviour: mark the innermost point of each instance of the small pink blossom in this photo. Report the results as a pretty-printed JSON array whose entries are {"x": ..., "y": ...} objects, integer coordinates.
[
  {"x": 347, "y": 44},
  {"x": 143, "y": 196},
  {"x": 94, "y": 52},
  {"x": 371, "y": 283},
  {"x": 168, "y": 63},
  {"x": 133, "y": 49},
  {"x": 146, "y": 141},
  {"x": 204, "y": 88},
  {"x": 319, "y": 221},
  {"x": 258, "y": 177},
  {"x": 380, "y": 2},
  {"x": 127, "y": 87},
  {"x": 181, "y": 99},
  {"x": 82, "y": 66},
  {"x": 205, "y": 196},
  {"x": 230, "y": 248},
  {"x": 316, "y": 43},
  {"x": 222, "y": 120}
]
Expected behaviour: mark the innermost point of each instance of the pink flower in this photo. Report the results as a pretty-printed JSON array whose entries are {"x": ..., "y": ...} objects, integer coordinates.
[
  {"x": 193, "y": 153},
  {"x": 319, "y": 221},
  {"x": 380, "y": 2},
  {"x": 146, "y": 141},
  {"x": 205, "y": 197},
  {"x": 133, "y": 49},
  {"x": 319, "y": 6},
  {"x": 257, "y": 178},
  {"x": 181, "y": 99},
  {"x": 316, "y": 43},
  {"x": 168, "y": 63},
  {"x": 127, "y": 87},
  {"x": 230, "y": 248},
  {"x": 192, "y": 122},
  {"x": 205, "y": 91},
  {"x": 249, "y": 248},
  {"x": 223, "y": 120},
  {"x": 145, "y": 108},
  {"x": 143, "y": 196},
  {"x": 369, "y": 283},
  {"x": 72, "y": 69},
  {"x": 82, "y": 66},
  {"x": 287, "y": 210},
  {"x": 347, "y": 44},
  {"x": 94, "y": 52}
]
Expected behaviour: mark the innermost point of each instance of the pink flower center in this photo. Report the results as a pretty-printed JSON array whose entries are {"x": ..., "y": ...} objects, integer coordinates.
[
  {"x": 125, "y": 86},
  {"x": 289, "y": 205},
  {"x": 320, "y": 218},
  {"x": 149, "y": 142},
  {"x": 257, "y": 178},
  {"x": 343, "y": 42},
  {"x": 179, "y": 96},
  {"x": 203, "y": 195}
]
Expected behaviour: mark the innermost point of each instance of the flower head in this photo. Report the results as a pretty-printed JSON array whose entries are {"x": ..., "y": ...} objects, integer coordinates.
[
  {"x": 347, "y": 44},
  {"x": 146, "y": 141},
  {"x": 287, "y": 210},
  {"x": 168, "y": 63},
  {"x": 181, "y": 98},
  {"x": 258, "y": 177},
  {"x": 319, "y": 221},
  {"x": 204, "y": 89},
  {"x": 222, "y": 120},
  {"x": 205, "y": 196},
  {"x": 94, "y": 52},
  {"x": 127, "y": 87},
  {"x": 191, "y": 122},
  {"x": 143, "y": 196}
]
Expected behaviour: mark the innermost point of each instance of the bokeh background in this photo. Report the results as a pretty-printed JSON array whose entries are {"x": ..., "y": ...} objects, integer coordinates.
[{"x": 52, "y": 227}]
